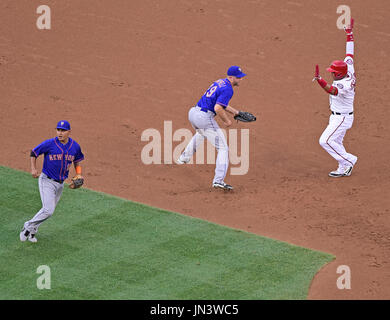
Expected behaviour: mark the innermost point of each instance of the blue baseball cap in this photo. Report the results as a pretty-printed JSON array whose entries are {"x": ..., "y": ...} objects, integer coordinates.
[
  {"x": 236, "y": 72},
  {"x": 64, "y": 125}
]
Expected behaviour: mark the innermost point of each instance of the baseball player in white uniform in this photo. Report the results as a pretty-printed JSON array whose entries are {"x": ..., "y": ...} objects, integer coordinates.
[{"x": 341, "y": 97}]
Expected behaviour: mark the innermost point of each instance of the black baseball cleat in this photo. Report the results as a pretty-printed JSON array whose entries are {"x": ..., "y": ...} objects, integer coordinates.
[{"x": 222, "y": 185}]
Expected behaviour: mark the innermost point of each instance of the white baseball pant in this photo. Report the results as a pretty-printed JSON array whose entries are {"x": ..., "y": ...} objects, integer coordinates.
[{"x": 332, "y": 139}]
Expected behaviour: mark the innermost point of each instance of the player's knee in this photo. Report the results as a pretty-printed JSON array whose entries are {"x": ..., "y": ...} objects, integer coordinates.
[
  {"x": 323, "y": 141},
  {"x": 223, "y": 148},
  {"x": 48, "y": 211}
]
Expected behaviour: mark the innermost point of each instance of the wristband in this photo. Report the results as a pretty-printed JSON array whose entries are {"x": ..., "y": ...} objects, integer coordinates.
[
  {"x": 322, "y": 82},
  {"x": 331, "y": 89}
]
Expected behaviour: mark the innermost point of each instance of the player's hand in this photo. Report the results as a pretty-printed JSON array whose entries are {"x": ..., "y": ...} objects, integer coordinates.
[
  {"x": 317, "y": 73},
  {"x": 77, "y": 181},
  {"x": 34, "y": 173},
  {"x": 227, "y": 123},
  {"x": 348, "y": 29}
]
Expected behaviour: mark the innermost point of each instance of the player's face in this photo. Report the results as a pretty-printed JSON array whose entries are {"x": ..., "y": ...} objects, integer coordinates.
[
  {"x": 236, "y": 82},
  {"x": 63, "y": 135},
  {"x": 336, "y": 77}
]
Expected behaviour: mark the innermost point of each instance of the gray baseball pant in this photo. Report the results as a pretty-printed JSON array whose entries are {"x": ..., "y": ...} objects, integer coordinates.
[
  {"x": 207, "y": 127},
  {"x": 50, "y": 192}
]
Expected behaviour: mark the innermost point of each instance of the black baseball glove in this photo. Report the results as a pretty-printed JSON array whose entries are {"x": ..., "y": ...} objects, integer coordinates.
[{"x": 245, "y": 116}]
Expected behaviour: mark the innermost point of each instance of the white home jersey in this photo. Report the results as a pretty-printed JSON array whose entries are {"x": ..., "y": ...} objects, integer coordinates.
[{"x": 343, "y": 102}]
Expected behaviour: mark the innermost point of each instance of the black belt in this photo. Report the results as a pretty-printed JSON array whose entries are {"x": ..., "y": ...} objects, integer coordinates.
[
  {"x": 203, "y": 109},
  {"x": 339, "y": 114},
  {"x": 55, "y": 180}
]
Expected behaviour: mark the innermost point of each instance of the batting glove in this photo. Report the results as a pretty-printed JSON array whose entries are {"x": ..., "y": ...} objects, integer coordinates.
[{"x": 348, "y": 29}]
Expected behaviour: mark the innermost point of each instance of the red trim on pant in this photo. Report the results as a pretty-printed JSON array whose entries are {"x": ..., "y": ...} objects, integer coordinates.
[{"x": 332, "y": 147}]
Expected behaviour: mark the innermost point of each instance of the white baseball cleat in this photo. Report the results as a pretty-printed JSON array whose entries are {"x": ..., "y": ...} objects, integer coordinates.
[
  {"x": 182, "y": 160},
  {"x": 336, "y": 174},
  {"x": 24, "y": 234},
  {"x": 32, "y": 238},
  {"x": 345, "y": 172},
  {"x": 222, "y": 185},
  {"x": 348, "y": 171}
]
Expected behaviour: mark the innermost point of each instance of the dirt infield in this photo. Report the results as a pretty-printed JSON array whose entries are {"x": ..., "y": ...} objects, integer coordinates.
[{"x": 115, "y": 70}]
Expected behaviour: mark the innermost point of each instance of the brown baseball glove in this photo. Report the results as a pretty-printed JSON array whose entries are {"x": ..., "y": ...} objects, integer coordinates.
[{"x": 77, "y": 182}]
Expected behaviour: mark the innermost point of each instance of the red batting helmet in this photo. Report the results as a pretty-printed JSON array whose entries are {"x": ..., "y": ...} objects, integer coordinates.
[{"x": 339, "y": 67}]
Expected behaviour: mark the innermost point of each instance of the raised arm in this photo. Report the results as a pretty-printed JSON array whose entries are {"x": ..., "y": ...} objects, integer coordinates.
[
  {"x": 349, "y": 50},
  {"x": 323, "y": 84}
]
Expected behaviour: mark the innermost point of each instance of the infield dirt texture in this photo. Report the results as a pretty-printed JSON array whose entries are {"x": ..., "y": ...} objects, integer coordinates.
[{"x": 114, "y": 69}]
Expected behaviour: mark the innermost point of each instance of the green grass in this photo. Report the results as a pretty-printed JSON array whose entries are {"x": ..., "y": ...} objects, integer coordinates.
[{"x": 102, "y": 247}]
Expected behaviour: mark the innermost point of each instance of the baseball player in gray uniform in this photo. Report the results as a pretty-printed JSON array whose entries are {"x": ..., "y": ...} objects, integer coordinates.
[
  {"x": 214, "y": 102},
  {"x": 59, "y": 153}
]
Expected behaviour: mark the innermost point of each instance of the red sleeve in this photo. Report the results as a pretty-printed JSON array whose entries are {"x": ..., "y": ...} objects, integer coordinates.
[{"x": 336, "y": 92}]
